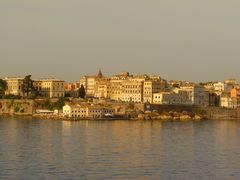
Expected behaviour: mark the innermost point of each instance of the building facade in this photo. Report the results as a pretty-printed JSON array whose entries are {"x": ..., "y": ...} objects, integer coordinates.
[
  {"x": 86, "y": 111},
  {"x": 132, "y": 91},
  {"x": 14, "y": 86},
  {"x": 197, "y": 95},
  {"x": 171, "y": 98},
  {"x": 90, "y": 83},
  {"x": 149, "y": 88},
  {"x": 50, "y": 88}
]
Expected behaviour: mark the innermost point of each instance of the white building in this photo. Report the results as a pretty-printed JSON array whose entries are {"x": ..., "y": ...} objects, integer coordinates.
[
  {"x": 86, "y": 111},
  {"x": 197, "y": 95},
  {"x": 76, "y": 111}
]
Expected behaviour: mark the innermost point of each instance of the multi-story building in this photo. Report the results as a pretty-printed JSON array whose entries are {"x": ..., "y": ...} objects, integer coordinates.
[
  {"x": 99, "y": 111},
  {"x": 197, "y": 95},
  {"x": 214, "y": 98},
  {"x": 101, "y": 89},
  {"x": 50, "y": 88},
  {"x": 76, "y": 111},
  {"x": 150, "y": 87},
  {"x": 115, "y": 86},
  {"x": 86, "y": 111},
  {"x": 228, "y": 102},
  {"x": 179, "y": 98},
  {"x": 219, "y": 86},
  {"x": 115, "y": 90},
  {"x": 235, "y": 95},
  {"x": 71, "y": 90},
  {"x": 89, "y": 83},
  {"x": 14, "y": 86},
  {"x": 209, "y": 86},
  {"x": 132, "y": 91}
]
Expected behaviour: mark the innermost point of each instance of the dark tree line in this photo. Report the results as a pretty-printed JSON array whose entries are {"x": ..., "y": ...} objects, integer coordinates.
[
  {"x": 3, "y": 87},
  {"x": 82, "y": 92}
]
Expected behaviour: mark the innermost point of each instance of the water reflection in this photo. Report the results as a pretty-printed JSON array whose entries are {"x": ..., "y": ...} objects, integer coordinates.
[{"x": 43, "y": 149}]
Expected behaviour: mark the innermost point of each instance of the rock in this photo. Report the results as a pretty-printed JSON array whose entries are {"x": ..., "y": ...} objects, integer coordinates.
[
  {"x": 147, "y": 117},
  {"x": 165, "y": 117},
  {"x": 176, "y": 118},
  {"x": 197, "y": 118},
  {"x": 185, "y": 118},
  {"x": 141, "y": 117}
]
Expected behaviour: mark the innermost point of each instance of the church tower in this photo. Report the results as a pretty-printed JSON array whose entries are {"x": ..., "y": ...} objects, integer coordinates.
[{"x": 100, "y": 75}]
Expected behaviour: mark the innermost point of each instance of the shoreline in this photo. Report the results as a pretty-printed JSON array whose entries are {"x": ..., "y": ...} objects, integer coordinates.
[{"x": 60, "y": 118}]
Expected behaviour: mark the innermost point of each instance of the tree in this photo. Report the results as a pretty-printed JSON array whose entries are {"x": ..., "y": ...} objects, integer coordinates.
[
  {"x": 60, "y": 103},
  {"x": 3, "y": 87},
  {"x": 82, "y": 93},
  {"x": 27, "y": 86}
]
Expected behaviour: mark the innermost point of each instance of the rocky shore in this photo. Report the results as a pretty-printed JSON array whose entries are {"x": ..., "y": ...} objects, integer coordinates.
[{"x": 171, "y": 116}]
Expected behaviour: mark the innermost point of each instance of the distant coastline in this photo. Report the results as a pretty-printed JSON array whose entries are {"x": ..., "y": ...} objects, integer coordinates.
[{"x": 131, "y": 112}]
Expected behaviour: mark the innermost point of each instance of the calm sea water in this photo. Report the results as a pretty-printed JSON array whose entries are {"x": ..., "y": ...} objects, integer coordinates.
[{"x": 45, "y": 149}]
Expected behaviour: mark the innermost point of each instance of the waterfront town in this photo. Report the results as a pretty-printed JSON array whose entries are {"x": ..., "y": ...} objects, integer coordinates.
[{"x": 120, "y": 96}]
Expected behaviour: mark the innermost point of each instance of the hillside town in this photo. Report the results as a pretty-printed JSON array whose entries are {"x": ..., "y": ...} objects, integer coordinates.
[{"x": 99, "y": 96}]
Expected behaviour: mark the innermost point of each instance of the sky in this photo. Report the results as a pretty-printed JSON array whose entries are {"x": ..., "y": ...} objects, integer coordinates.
[{"x": 194, "y": 40}]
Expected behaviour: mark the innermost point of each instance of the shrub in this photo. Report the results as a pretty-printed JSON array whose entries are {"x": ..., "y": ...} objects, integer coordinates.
[{"x": 16, "y": 109}]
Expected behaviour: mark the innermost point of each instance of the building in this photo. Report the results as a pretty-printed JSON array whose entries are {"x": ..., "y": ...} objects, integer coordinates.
[
  {"x": 75, "y": 111},
  {"x": 132, "y": 91},
  {"x": 209, "y": 86},
  {"x": 86, "y": 111},
  {"x": 95, "y": 111},
  {"x": 197, "y": 95},
  {"x": 150, "y": 87},
  {"x": 214, "y": 99},
  {"x": 173, "y": 98},
  {"x": 235, "y": 95},
  {"x": 228, "y": 102},
  {"x": 89, "y": 83},
  {"x": 219, "y": 86},
  {"x": 101, "y": 89},
  {"x": 115, "y": 86},
  {"x": 71, "y": 90},
  {"x": 115, "y": 90},
  {"x": 50, "y": 88},
  {"x": 14, "y": 86},
  {"x": 231, "y": 81}
]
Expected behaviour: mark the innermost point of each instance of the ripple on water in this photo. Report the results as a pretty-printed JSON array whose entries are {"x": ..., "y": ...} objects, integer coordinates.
[{"x": 39, "y": 149}]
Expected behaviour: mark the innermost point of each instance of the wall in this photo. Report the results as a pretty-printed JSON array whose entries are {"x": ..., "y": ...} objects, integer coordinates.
[{"x": 16, "y": 107}]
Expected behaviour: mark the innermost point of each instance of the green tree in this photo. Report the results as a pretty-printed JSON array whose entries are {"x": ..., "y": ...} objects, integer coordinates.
[
  {"x": 82, "y": 92},
  {"x": 11, "y": 96},
  {"x": 3, "y": 87},
  {"x": 27, "y": 86},
  {"x": 60, "y": 103}
]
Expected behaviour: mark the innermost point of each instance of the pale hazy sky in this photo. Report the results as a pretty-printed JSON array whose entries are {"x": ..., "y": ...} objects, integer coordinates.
[{"x": 177, "y": 39}]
